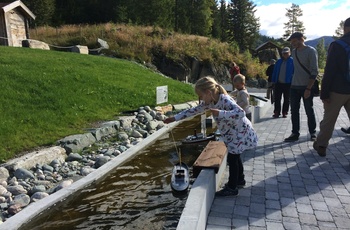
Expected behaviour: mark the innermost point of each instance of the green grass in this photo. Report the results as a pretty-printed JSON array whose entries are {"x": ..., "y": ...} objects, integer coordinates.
[{"x": 47, "y": 95}]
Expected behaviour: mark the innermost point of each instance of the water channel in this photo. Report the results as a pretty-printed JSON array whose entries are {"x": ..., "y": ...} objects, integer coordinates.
[{"x": 136, "y": 196}]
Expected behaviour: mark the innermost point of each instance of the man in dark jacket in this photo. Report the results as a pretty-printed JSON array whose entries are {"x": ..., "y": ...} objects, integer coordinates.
[{"x": 335, "y": 90}]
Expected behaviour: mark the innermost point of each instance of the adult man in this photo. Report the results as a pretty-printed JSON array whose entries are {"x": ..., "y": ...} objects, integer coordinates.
[
  {"x": 335, "y": 90},
  {"x": 305, "y": 73},
  {"x": 282, "y": 78},
  {"x": 268, "y": 72}
]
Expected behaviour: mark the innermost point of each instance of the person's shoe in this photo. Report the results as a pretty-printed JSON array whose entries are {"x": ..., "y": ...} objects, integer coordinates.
[
  {"x": 275, "y": 116},
  {"x": 241, "y": 184},
  {"x": 292, "y": 137},
  {"x": 313, "y": 137},
  {"x": 227, "y": 191},
  {"x": 347, "y": 131},
  {"x": 284, "y": 115},
  {"x": 319, "y": 149}
]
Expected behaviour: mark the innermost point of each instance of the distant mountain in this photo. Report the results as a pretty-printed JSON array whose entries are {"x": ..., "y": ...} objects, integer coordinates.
[{"x": 314, "y": 42}]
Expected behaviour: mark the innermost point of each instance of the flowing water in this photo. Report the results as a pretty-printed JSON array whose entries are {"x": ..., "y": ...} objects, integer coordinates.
[{"x": 136, "y": 196}]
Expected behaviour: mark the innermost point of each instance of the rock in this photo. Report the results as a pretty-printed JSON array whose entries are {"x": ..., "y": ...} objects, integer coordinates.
[
  {"x": 38, "y": 188},
  {"x": 38, "y": 196},
  {"x": 35, "y": 44},
  {"x": 3, "y": 190},
  {"x": 63, "y": 184},
  {"x": 136, "y": 134},
  {"x": 84, "y": 171},
  {"x": 14, "y": 209},
  {"x": 101, "y": 161},
  {"x": 76, "y": 143},
  {"x": 80, "y": 49},
  {"x": 122, "y": 136},
  {"x": 151, "y": 125},
  {"x": 104, "y": 131},
  {"x": 4, "y": 174},
  {"x": 23, "y": 174},
  {"x": 22, "y": 199},
  {"x": 122, "y": 148},
  {"x": 125, "y": 122},
  {"x": 16, "y": 190},
  {"x": 47, "y": 168},
  {"x": 74, "y": 157}
]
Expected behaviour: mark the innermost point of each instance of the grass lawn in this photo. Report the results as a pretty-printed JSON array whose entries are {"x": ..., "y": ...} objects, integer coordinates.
[{"x": 47, "y": 95}]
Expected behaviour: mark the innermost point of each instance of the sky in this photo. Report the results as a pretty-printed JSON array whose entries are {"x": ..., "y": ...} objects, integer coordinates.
[{"x": 320, "y": 17}]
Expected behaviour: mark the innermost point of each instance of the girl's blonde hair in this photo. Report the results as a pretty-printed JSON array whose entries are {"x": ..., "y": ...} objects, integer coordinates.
[
  {"x": 239, "y": 78},
  {"x": 209, "y": 83}
]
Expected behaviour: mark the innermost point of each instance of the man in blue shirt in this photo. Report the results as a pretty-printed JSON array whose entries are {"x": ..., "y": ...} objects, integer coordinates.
[{"x": 282, "y": 78}]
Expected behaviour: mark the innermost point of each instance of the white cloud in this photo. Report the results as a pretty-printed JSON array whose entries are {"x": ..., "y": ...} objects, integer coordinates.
[{"x": 320, "y": 18}]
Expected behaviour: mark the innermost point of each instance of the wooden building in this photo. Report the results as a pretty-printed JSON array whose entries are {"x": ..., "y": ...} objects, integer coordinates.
[
  {"x": 267, "y": 51},
  {"x": 14, "y": 28}
]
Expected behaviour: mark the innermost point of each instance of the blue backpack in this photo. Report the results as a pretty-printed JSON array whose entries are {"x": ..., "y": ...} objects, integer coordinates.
[{"x": 347, "y": 49}]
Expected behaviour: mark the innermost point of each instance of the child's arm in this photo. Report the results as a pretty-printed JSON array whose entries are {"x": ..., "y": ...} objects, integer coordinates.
[{"x": 201, "y": 108}]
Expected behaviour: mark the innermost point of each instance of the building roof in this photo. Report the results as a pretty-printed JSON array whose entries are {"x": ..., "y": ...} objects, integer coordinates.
[
  {"x": 267, "y": 45},
  {"x": 10, "y": 6}
]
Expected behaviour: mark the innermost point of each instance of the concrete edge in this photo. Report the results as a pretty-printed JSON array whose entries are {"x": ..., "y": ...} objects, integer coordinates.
[
  {"x": 33, "y": 210},
  {"x": 195, "y": 214}
]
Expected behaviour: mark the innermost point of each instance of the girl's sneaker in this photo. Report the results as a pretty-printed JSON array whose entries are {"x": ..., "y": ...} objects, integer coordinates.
[{"x": 227, "y": 191}]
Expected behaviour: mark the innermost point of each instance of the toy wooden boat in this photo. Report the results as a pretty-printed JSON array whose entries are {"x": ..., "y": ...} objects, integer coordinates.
[
  {"x": 198, "y": 137},
  {"x": 180, "y": 178}
]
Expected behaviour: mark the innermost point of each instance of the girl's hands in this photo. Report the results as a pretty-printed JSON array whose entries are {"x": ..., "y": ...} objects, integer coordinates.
[
  {"x": 169, "y": 120},
  {"x": 215, "y": 112}
]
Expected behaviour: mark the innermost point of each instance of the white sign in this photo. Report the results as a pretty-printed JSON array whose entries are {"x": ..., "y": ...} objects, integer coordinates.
[{"x": 162, "y": 94}]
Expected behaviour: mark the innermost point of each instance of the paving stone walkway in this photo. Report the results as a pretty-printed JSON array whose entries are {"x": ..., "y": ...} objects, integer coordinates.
[{"x": 288, "y": 185}]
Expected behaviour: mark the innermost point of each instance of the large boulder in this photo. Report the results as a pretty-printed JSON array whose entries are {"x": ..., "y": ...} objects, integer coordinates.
[
  {"x": 76, "y": 143},
  {"x": 35, "y": 44}
]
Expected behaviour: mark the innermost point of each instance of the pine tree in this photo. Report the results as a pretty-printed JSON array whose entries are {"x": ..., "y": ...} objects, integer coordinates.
[
  {"x": 293, "y": 24},
  {"x": 322, "y": 54},
  {"x": 243, "y": 26},
  {"x": 339, "y": 31},
  {"x": 43, "y": 10}
]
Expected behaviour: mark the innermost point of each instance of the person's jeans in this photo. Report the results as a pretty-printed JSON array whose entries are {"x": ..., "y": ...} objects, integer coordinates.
[
  {"x": 295, "y": 97},
  {"x": 282, "y": 89}
]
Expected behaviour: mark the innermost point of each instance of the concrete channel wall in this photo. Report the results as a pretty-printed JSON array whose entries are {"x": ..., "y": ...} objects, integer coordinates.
[{"x": 34, "y": 210}]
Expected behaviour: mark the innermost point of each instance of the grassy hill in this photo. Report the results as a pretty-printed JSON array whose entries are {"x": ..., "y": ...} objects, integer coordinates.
[{"x": 46, "y": 95}]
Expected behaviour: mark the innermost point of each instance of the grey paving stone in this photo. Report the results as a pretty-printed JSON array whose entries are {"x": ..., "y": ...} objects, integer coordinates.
[
  {"x": 274, "y": 225},
  {"x": 241, "y": 210},
  {"x": 308, "y": 219},
  {"x": 323, "y": 216},
  {"x": 274, "y": 214},
  {"x": 304, "y": 208},
  {"x": 273, "y": 204},
  {"x": 289, "y": 211},
  {"x": 291, "y": 226},
  {"x": 258, "y": 222}
]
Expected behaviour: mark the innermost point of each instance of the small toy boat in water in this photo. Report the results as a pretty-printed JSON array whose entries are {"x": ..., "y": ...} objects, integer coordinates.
[
  {"x": 180, "y": 178},
  {"x": 198, "y": 138}
]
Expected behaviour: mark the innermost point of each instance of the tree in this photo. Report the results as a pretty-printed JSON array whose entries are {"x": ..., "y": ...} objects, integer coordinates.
[
  {"x": 243, "y": 26},
  {"x": 221, "y": 21},
  {"x": 339, "y": 31},
  {"x": 322, "y": 54},
  {"x": 202, "y": 21},
  {"x": 293, "y": 24},
  {"x": 43, "y": 10}
]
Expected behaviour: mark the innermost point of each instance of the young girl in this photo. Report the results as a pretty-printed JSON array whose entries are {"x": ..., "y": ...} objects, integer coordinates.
[
  {"x": 241, "y": 94},
  {"x": 236, "y": 130}
]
